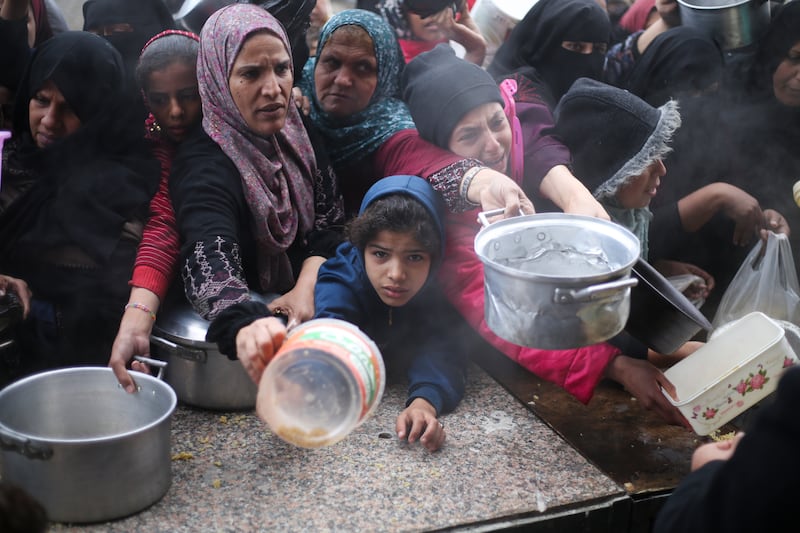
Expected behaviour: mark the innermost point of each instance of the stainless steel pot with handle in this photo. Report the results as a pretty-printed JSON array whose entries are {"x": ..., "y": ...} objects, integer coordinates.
[
  {"x": 83, "y": 447},
  {"x": 733, "y": 24},
  {"x": 556, "y": 281},
  {"x": 201, "y": 375}
]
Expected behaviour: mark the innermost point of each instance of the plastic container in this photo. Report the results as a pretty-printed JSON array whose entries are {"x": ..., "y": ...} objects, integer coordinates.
[
  {"x": 738, "y": 367},
  {"x": 3, "y": 136},
  {"x": 496, "y": 19},
  {"x": 326, "y": 379}
]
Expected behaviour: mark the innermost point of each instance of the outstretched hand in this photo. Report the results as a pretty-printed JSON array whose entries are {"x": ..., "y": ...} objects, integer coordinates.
[
  {"x": 494, "y": 190},
  {"x": 418, "y": 422},
  {"x": 644, "y": 381},
  {"x": 257, "y": 344}
]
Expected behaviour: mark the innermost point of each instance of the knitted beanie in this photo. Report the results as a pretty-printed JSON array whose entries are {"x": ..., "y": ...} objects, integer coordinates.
[
  {"x": 440, "y": 88},
  {"x": 612, "y": 134}
]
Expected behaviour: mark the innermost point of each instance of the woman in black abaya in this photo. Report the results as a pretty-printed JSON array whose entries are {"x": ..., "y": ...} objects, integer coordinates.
[{"x": 71, "y": 231}]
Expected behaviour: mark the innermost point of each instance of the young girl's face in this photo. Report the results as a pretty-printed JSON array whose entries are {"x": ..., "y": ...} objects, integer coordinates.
[
  {"x": 173, "y": 98},
  {"x": 397, "y": 266},
  {"x": 483, "y": 134},
  {"x": 638, "y": 192}
]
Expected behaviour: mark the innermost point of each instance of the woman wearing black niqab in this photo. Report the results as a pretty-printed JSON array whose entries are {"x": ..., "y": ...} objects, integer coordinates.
[
  {"x": 140, "y": 19},
  {"x": 71, "y": 233},
  {"x": 535, "y": 45}
]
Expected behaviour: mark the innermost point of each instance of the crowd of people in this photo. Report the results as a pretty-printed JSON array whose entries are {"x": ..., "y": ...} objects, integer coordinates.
[{"x": 343, "y": 177}]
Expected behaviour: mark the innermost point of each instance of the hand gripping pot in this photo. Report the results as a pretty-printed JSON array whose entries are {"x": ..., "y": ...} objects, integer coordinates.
[
  {"x": 83, "y": 447},
  {"x": 200, "y": 374},
  {"x": 556, "y": 281},
  {"x": 326, "y": 379}
]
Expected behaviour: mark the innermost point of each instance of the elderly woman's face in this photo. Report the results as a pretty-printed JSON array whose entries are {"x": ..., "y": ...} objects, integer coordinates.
[
  {"x": 483, "y": 134},
  {"x": 50, "y": 116},
  {"x": 786, "y": 78},
  {"x": 261, "y": 83},
  {"x": 346, "y": 73}
]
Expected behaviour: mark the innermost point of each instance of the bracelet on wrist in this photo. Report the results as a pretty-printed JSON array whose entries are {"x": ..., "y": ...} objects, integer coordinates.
[
  {"x": 466, "y": 181},
  {"x": 142, "y": 307}
]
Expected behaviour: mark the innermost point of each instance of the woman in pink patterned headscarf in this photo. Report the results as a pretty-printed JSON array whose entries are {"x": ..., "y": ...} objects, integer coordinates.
[{"x": 251, "y": 198}]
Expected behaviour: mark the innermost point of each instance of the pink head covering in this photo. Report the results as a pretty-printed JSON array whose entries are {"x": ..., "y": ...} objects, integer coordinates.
[
  {"x": 636, "y": 16},
  {"x": 277, "y": 171}
]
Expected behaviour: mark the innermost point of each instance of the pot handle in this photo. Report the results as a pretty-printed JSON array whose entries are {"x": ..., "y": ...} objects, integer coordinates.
[
  {"x": 483, "y": 216},
  {"x": 174, "y": 350},
  {"x": 594, "y": 292},
  {"x": 161, "y": 365},
  {"x": 15, "y": 442}
]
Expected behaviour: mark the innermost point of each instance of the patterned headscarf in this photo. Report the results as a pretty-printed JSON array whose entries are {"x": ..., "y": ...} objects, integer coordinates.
[
  {"x": 363, "y": 133},
  {"x": 277, "y": 172}
]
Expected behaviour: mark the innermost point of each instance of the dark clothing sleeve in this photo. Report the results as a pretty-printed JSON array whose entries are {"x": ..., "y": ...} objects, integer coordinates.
[
  {"x": 629, "y": 346},
  {"x": 757, "y": 489},
  {"x": 666, "y": 233},
  {"x": 543, "y": 150},
  {"x": 438, "y": 373},
  {"x": 14, "y": 52},
  {"x": 212, "y": 218},
  {"x": 226, "y": 326}
]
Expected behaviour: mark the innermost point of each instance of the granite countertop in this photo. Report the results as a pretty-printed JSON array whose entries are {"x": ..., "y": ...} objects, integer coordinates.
[{"x": 231, "y": 473}]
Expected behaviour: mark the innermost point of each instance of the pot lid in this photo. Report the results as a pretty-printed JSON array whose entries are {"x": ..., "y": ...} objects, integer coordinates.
[{"x": 180, "y": 323}]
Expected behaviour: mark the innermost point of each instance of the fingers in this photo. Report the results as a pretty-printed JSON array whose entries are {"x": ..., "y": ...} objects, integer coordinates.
[
  {"x": 414, "y": 426},
  {"x": 257, "y": 343},
  {"x": 122, "y": 375}
]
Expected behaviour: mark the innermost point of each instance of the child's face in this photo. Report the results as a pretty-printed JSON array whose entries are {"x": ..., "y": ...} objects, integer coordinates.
[
  {"x": 638, "y": 192},
  {"x": 397, "y": 266},
  {"x": 432, "y": 28}
]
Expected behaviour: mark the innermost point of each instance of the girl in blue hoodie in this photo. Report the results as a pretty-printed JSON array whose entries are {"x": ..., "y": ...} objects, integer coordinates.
[{"x": 383, "y": 281}]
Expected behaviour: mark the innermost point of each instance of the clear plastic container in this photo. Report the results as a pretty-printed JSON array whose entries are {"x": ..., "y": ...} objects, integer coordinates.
[{"x": 326, "y": 379}]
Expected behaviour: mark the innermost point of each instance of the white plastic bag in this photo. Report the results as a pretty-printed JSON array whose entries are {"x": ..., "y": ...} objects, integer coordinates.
[{"x": 766, "y": 283}]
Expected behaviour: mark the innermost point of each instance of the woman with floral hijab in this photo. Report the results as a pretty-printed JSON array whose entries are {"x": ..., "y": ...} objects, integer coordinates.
[{"x": 353, "y": 83}]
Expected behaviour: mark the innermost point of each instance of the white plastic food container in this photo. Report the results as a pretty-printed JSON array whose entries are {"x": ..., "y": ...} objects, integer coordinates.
[{"x": 731, "y": 372}]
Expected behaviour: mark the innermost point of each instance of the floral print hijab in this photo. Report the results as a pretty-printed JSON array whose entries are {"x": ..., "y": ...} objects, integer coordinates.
[
  {"x": 386, "y": 114},
  {"x": 277, "y": 171}
]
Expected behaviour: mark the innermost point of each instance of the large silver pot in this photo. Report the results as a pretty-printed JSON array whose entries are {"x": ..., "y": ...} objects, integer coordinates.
[
  {"x": 199, "y": 373},
  {"x": 732, "y": 24},
  {"x": 83, "y": 447},
  {"x": 556, "y": 281}
]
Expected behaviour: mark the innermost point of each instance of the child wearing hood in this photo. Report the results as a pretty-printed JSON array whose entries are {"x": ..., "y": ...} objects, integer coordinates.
[{"x": 381, "y": 280}]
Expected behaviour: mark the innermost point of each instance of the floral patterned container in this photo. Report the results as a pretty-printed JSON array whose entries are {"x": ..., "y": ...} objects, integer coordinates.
[{"x": 731, "y": 372}]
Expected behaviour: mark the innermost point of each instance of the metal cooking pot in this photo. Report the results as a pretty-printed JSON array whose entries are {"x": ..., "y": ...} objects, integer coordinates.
[
  {"x": 199, "y": 373},
  {"x": 556, "y": 281},
  {"x": 83, "y": 447},
  {"x": 661, "y": 316},
  {"x": 732, "y": 24}
]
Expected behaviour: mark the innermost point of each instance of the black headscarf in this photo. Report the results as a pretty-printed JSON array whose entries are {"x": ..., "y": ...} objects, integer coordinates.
[
  {"x": 437, "y": 105},
  {"x": 66, "y": 234},
  {"x": 535, "y": 43},
  {"x": 88, "y": 183},
  {"x": 147, "y": 17},
  {"x": 678, "y": 61},
  {"x": 773, "y": 48}
]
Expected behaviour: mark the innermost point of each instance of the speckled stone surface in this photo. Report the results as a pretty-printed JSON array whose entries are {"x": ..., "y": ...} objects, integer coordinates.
[{"x": 236, "y": 475}]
